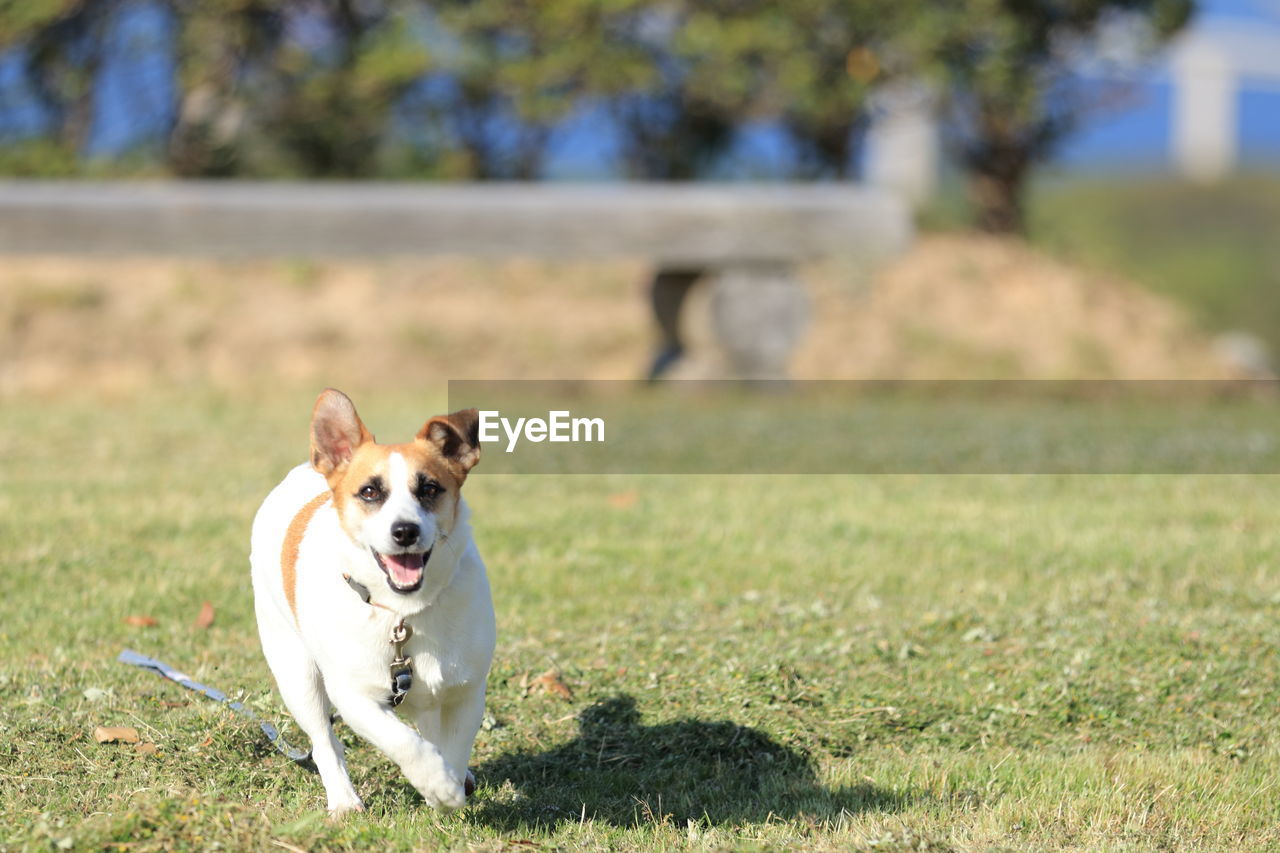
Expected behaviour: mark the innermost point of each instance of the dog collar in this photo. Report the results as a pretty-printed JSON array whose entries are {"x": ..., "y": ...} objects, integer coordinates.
[
  {"x": 401, "y": 666},
  {"x": 360, "y": 589}
]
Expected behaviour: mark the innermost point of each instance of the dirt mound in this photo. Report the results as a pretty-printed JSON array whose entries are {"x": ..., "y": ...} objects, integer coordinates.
[
  {"x": 978, "y": 307},
  {"x": 952, "y": 307}
]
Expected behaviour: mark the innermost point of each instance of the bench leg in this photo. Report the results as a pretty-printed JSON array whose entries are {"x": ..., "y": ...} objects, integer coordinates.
[
  {"x": 759, "y": 313},
  {"x": 667, "y": 292}
]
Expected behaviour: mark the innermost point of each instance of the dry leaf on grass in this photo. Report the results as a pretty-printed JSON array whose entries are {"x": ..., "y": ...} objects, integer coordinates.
[
  {"x": 550, "y": 682},
  {"x": 624, "y": 500},
  {"x": 141, "y": 621},
  {"x": 116, "y": 734},
  {"x": 205, "y": 619},
  {"x": 147, "y": 748}
]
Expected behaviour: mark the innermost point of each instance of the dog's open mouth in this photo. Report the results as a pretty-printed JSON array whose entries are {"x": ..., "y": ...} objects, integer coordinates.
[{"x": 404, "y": 571}]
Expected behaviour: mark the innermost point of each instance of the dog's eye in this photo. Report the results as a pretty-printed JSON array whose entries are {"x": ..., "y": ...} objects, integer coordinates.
[
  {"x": 370, "y": 493},
  {"x": 428, "y": 489}
]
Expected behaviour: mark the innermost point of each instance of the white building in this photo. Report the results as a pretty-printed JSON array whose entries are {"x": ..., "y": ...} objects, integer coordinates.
[{"x": 1211, "y": 66}]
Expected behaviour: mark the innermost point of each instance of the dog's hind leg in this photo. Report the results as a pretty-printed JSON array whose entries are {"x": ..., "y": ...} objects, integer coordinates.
[{"x": 304, "y": 695}]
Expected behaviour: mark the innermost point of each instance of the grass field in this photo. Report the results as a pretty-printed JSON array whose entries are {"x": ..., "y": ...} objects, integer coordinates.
[{"x": 852, "y": 662}]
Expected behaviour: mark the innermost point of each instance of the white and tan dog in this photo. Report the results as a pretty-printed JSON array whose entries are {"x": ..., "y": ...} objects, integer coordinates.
[{"x": 371, "y": 595}]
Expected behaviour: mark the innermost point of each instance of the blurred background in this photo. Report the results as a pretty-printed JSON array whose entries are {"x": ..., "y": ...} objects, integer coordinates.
[{"x": 1096, "y": 183}]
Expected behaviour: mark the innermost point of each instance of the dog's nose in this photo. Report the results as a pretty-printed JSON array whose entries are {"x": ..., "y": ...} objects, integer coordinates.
[{"x": 405, "y": 532}]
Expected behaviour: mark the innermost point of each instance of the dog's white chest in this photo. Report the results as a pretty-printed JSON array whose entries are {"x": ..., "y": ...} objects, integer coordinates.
[
  {"x": 438, "y": 674},
  {"x": 432, "y": 681}
]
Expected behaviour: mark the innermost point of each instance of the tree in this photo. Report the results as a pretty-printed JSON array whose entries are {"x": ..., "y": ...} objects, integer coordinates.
[
  {"x": 514, "y": 71},
  {"x": 677, "y": 119},
  {"x": 478, "y": 88},
  {"x": 808, "y": 64},
  {"x": 1011, "y": 73},
  {"x": 221, "y": 46},
  {"x": 266, "y": 87},
  {"x": 303, "y": 87}
]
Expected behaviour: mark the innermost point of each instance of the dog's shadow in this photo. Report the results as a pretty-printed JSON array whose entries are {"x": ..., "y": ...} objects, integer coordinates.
[{"x": 625, "y": 773}]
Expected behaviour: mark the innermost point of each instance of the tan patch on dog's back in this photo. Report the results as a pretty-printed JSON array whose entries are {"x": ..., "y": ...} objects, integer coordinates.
[{"x": 292, "y": 543}]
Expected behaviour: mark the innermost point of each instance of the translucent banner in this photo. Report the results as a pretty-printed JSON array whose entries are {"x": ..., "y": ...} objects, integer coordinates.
[{"x": 875, "y": 427}]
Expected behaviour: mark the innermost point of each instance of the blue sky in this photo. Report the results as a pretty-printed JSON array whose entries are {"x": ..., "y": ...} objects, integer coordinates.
[{"x": 136, "y": 92}]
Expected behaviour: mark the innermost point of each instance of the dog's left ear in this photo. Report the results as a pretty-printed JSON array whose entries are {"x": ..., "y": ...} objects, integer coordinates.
[{"x": 457, "y": 436}]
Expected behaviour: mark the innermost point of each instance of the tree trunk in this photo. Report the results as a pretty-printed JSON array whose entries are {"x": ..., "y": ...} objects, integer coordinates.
[
  {"x": 999, "y": 161},
  {"x": 531, "y": 150},
  {"x": 997, "y": 201},
  {"x": 822, "y": 150}
]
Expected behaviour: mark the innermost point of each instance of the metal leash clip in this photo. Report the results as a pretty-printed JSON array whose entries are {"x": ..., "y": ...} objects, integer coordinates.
[{"x": 401, "y": 666}]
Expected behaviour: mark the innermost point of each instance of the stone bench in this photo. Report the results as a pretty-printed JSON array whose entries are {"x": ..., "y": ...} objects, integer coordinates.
[{"x": 745, "y": 238}]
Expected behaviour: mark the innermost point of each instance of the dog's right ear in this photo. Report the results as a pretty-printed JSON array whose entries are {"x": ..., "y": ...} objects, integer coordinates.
[{"x": 336, "y": 431}]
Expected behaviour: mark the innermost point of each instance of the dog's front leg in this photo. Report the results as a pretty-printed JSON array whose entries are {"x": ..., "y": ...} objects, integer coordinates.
[
  {"x": 452, "y": 727},
  {"x": 422, "y": 762},
  {"x": 460, "y": 721}
]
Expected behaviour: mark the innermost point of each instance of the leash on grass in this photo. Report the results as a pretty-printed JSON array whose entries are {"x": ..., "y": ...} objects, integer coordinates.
[{"x": 162, "y": 669}]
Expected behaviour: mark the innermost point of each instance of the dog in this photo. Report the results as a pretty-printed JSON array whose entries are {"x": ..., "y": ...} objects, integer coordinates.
[{"x": 371, "y": 596}]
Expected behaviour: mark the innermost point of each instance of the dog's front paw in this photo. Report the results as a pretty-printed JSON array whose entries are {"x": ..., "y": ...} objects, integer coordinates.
[
  {"x": 444, "y": 794},
  {"x": 344, "y": 806}
]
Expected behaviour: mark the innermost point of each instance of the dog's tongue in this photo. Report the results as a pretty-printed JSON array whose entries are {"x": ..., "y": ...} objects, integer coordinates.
[{"x": 405, "y": 569}]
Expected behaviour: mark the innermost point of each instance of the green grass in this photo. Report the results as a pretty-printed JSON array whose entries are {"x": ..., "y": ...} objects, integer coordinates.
[
  {"x": 1213, "y": 248},
  {"x": 880, "y": 663}
]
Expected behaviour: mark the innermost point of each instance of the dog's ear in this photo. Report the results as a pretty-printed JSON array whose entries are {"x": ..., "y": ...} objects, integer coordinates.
[
  {"x": 457, "y": 436},
  {"x": 336, "y": 431}
]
